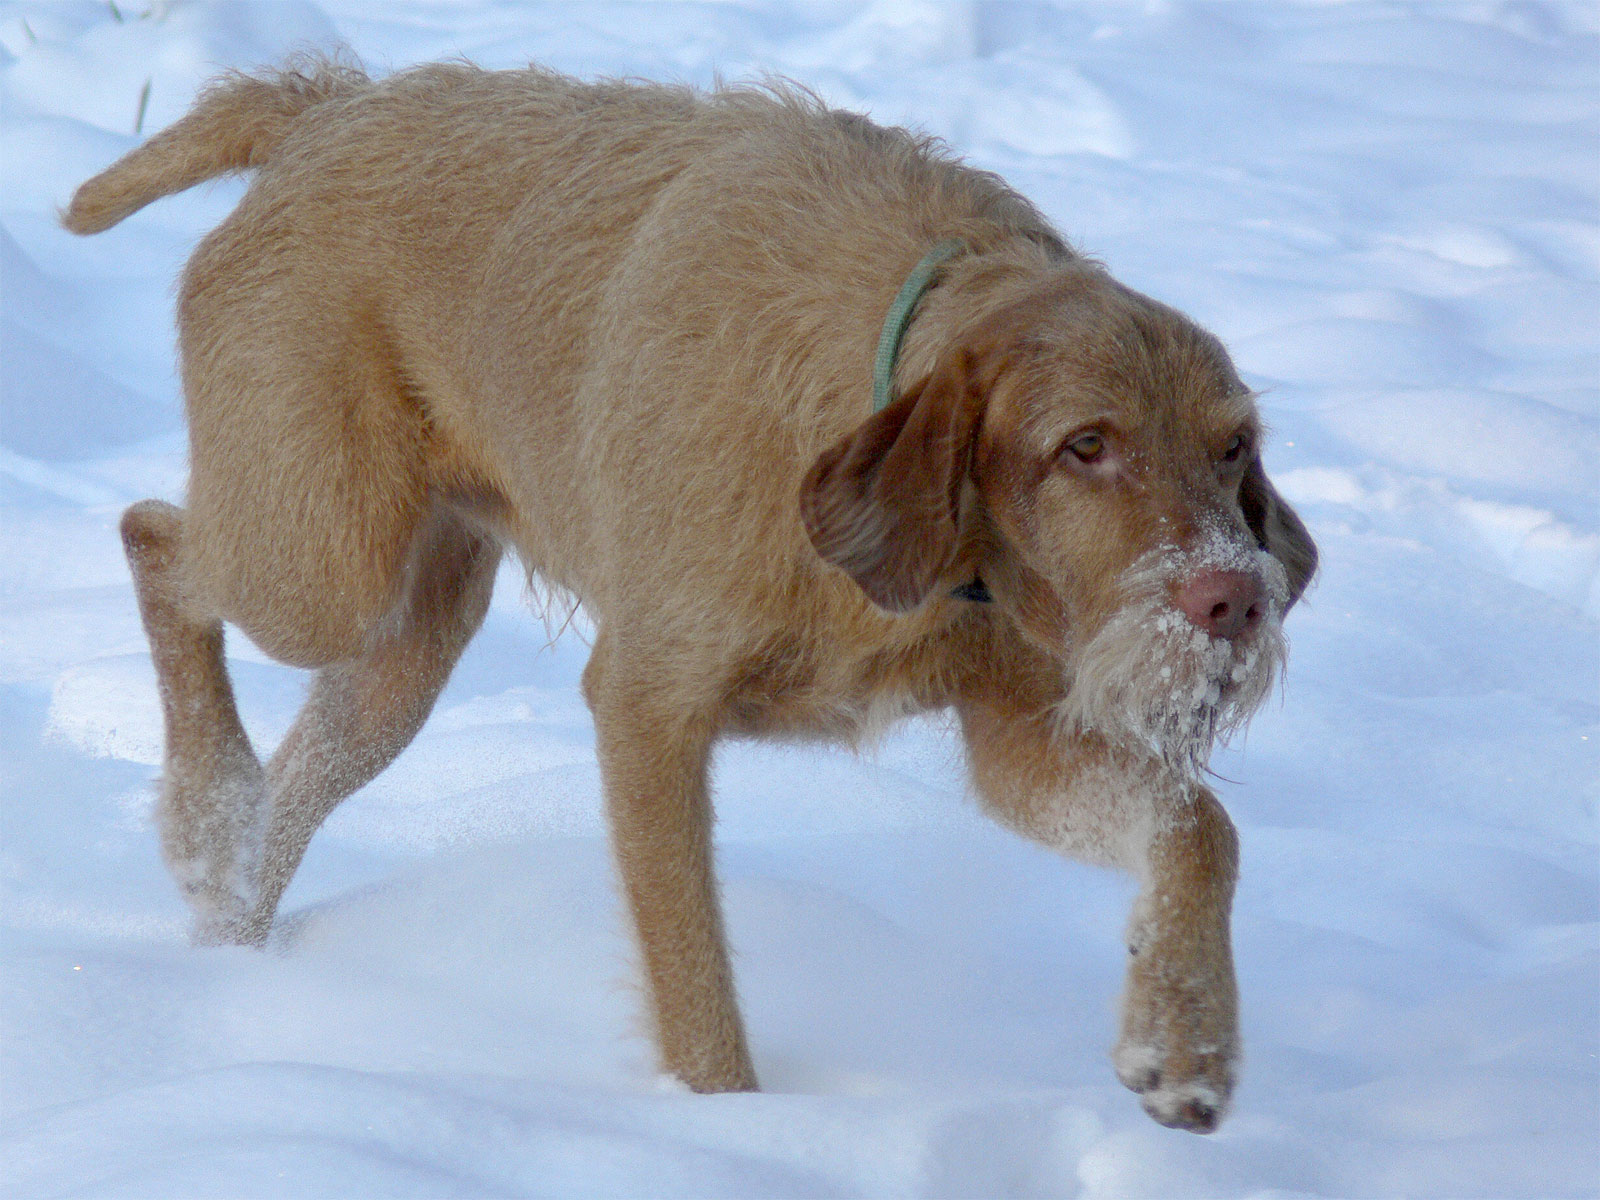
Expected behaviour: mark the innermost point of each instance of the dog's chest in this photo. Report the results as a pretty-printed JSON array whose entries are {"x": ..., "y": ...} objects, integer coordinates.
[{"x": 786, "y": 692}]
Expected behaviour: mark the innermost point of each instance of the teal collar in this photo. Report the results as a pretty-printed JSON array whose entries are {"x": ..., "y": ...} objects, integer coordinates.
[{"x": 923, "y": 276}]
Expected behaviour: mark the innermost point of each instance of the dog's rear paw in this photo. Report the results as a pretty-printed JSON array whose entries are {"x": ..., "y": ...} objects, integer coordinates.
[
  {"x": 211, "y": 930},
  {"x": 223, "y": 915}
]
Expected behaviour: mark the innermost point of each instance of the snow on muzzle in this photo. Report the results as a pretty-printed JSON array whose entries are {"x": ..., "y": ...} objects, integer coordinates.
[{"x": 1153, "y": 679}]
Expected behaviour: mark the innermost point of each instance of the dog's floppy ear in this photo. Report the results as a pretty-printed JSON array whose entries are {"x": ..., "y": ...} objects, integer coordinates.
[
  {"x": 1278, "y": 530},
  {"x": 883, "y": 503}
]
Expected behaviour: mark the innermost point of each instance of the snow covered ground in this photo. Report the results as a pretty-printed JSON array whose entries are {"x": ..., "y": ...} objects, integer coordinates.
[{"x": 1390, "y": 212}]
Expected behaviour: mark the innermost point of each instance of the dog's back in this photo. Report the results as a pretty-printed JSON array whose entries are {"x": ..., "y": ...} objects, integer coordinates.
[{"x": 603, "y": 317}]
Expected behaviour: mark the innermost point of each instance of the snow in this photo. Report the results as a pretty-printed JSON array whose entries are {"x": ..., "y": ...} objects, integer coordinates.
[{"x": 1390, "y": 212}]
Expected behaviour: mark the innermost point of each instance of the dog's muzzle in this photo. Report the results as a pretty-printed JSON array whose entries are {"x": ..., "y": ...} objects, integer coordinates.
[{"x": 1188, "y": 656}]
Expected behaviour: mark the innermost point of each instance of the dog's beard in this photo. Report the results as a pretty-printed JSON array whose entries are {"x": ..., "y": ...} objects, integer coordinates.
[{"x": 1151, "y": 681}]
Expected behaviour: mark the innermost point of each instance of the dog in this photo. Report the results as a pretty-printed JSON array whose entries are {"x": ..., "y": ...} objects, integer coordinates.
[{"x": 820, "y": 426}]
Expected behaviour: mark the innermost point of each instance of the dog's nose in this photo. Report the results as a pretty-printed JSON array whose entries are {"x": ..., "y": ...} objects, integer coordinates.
[{"x": 1223, "y": 603}]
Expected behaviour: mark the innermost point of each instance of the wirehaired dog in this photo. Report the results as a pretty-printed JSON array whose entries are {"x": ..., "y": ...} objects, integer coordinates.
[{"x": 634, "y": 334}]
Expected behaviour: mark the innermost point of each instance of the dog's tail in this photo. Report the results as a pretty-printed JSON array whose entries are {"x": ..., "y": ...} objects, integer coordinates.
[{"x": 237, "y": 123}]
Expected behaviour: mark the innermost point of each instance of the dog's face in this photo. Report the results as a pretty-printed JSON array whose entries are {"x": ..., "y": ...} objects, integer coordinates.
[{"x": 1093, "y": 457}]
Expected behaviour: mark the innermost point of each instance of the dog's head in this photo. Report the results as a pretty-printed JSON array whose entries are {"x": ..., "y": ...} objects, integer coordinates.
[{"x": 1094, "y": 459}]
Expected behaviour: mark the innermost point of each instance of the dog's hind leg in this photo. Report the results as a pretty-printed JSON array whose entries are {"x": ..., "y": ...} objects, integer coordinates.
[
  {"x": 233, "y": 833},
  {"x": 362, "y": 713},
  {"x": 212, "y": 791}
]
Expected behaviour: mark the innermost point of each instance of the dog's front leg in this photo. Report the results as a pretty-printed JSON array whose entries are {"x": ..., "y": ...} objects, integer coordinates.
[
  {"x": 653, "y": 760},
  {"x": 1179, "y": 1042},
  {"x": 1180, "y": 1030}
]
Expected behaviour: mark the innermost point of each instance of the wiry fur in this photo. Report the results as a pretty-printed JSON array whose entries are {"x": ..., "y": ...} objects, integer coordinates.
[{"x": 626, "y": 332}]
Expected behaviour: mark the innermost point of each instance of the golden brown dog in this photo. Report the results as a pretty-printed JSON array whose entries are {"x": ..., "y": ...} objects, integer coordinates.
[{"x": 628, "y": 332}]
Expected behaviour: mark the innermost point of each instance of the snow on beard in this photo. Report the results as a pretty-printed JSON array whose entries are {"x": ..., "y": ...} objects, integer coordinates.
[{"x": 1151, "y": 680}]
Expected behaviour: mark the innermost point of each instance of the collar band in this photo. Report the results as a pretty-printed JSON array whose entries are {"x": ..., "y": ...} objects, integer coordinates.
[{"x": 923, "y": 276}]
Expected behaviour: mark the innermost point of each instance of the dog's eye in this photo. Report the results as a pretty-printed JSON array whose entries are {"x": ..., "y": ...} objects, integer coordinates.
[
  {"x": 1236, "y": 448},
  {"x": 1087, "y": 448}
]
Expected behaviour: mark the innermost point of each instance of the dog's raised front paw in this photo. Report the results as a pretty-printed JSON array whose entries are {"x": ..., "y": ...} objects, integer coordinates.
[{"x": 1180, "y": 1041}]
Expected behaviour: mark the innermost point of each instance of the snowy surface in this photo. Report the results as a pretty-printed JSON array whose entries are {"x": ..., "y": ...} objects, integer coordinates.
[{"x": 1390, "y": 214}]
